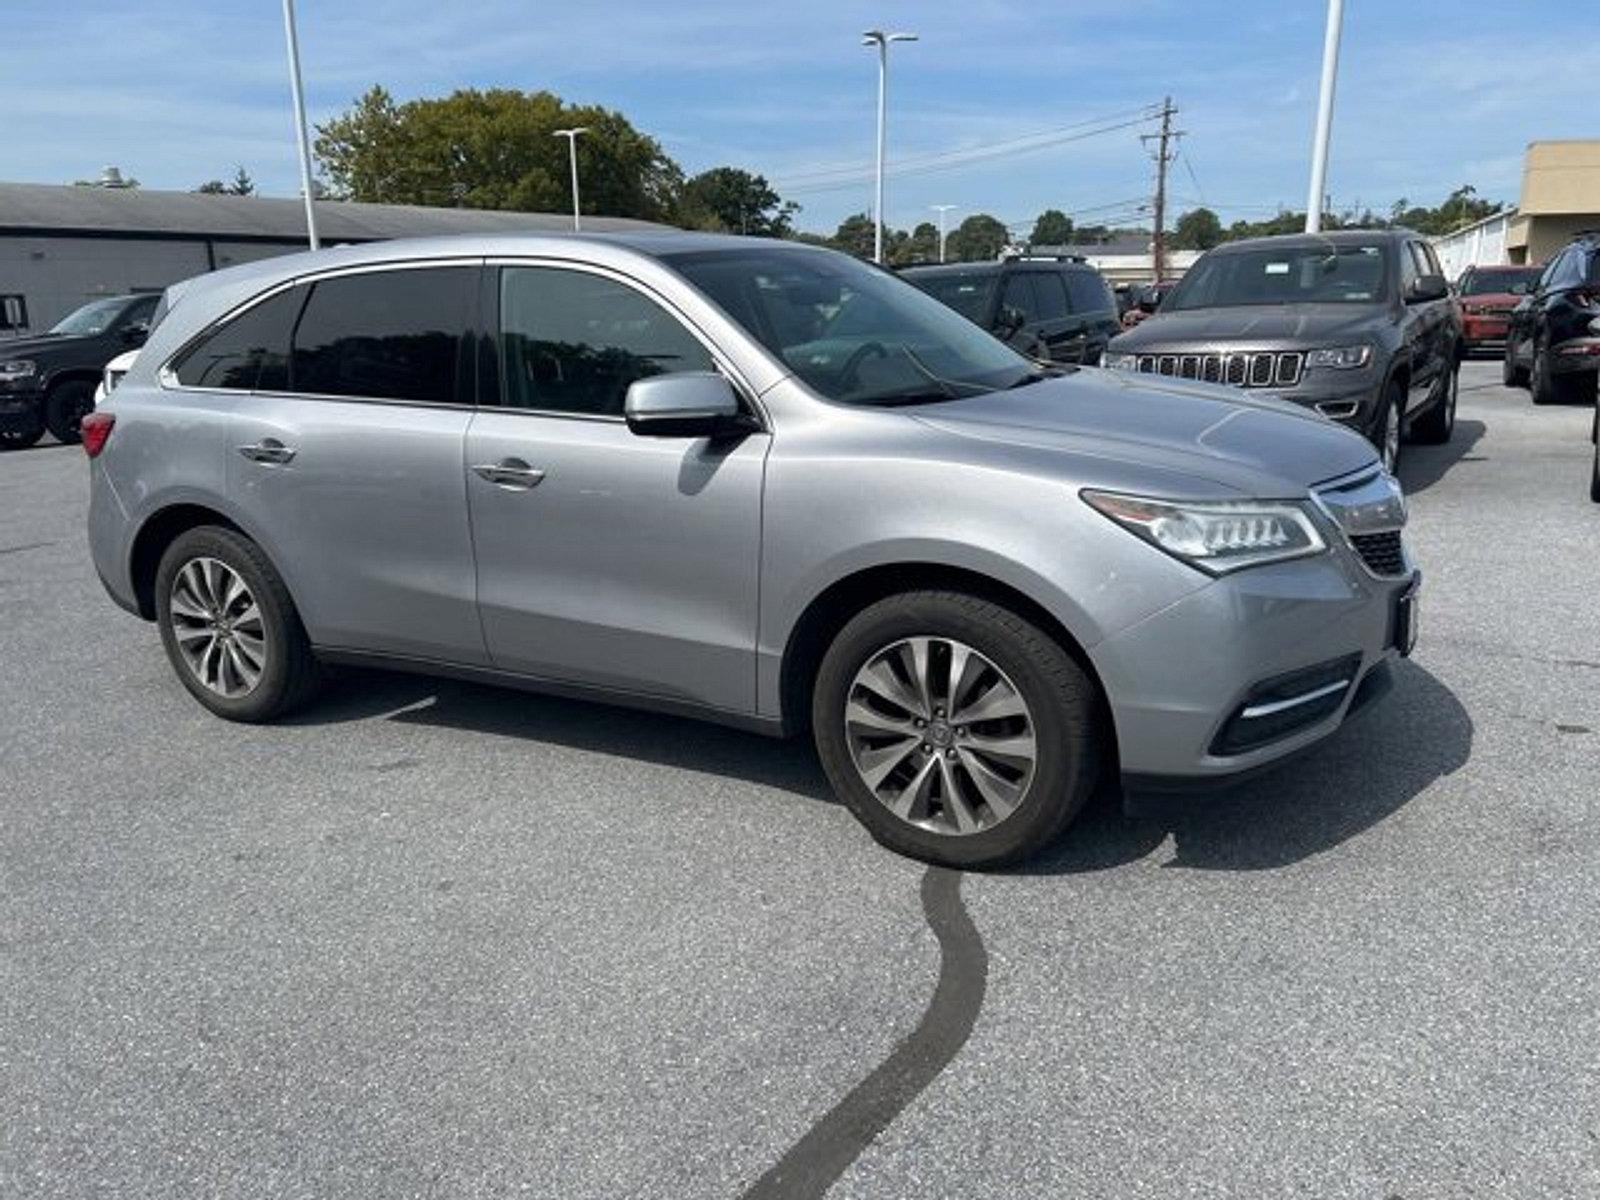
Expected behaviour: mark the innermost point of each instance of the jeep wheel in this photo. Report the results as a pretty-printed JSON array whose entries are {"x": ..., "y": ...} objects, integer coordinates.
[
  {"x": 1390, "y": 422},
  {"x": 1437, "y": 424},
  {"x": 65, "y": 407},
  {"x": 954, "y": 729},
  {"x": 1511, "y": 375}
]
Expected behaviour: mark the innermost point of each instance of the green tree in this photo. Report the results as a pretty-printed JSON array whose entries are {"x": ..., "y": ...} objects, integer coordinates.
[
  {"x": 1053, "y": 228},
  {"x": 242, "y": 185},
  {"x": 726, "y": 199},
  {"x": 978, "y": 238},
  {"x": 854, "y": 235},
  {"x": 1197, "y": 229},
  {"x": 495, "y": 149}
]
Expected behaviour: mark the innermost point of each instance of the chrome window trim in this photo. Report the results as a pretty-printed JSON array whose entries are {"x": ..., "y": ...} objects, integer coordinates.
[{"x": 720, "y": 360}]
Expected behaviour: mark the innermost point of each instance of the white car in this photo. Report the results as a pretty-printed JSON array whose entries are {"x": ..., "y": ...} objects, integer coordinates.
[{"x": 111, "y": 375}]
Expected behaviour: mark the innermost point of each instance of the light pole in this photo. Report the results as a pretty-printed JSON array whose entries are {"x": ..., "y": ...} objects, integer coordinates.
[
  {"x": 572, "y": 153},
  {"x": 941, "y": 209},
  {"x": 1319, "y": 146},
  {"x": 880, "y": 39},
  {"x": 300, "y": 122}
]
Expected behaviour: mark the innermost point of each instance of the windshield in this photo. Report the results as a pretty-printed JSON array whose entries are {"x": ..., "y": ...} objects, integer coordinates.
[
  {"x": 1306, "y": 274},
  {"x": 94, "y": 317},
  {"x": 1484, "y": 283},
  {"x": 967, "y": 292},
  {"x": 851, "y": 331}
]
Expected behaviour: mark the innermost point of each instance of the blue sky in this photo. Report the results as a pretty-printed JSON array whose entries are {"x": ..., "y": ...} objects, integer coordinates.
[{"x": 1433, "y": 93}]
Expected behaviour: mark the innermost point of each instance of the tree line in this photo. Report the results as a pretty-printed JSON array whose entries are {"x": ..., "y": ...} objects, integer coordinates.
[{"x": 498, "y": 149}]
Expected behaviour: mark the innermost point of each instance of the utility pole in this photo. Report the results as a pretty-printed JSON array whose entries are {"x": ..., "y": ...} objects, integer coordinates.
[
  {"x": 572, "y": 154},
  {"x": 302, "y": 139},
  {"x": 1163, "y": 154},
  {"x": 942, "y": 209},
  {"x": 880, "y": 39}
]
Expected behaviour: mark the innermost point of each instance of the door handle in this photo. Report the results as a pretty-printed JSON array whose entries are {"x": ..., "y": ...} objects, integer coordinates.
[
  {"x": 512, "y": 474},
  {"x": 268, "y": 450}
]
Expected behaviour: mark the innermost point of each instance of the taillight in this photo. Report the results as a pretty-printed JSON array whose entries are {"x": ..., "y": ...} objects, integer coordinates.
[{"x": 95, "y": 428}]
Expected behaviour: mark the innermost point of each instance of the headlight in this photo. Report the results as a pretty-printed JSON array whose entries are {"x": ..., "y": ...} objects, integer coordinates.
[
  {"x": 1344, "y": 358},
  {"x": 17, "y": 368},
  {"x": 1120, "y": 362},
  {"x": 1215, "y": 536}
]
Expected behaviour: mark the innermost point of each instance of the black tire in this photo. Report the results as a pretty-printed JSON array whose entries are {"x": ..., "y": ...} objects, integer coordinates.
[
  {"x": 65, "y": 407},
  {"x": 289, "y": 674},
  {"x": 1391, "y": 413},
  {"x": 1062, "y": 704},
  {"x": 1594, "y": 476},
  {"x": 1510, "y": 373},
  {"x": 20, "y": 439},
  {"x": 1435, "y": 426},
  {"x": 1546, "y": 387}
]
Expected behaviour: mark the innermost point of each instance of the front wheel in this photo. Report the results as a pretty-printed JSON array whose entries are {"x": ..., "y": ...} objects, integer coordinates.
[
  {"x": 1389, "y": 424},
  {"x": 230, "y": 628},
  {"x": 955, "y": 730}
]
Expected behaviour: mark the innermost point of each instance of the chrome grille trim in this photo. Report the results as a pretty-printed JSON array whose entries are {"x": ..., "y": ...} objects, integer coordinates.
[{"x": 1241, "y": 368}]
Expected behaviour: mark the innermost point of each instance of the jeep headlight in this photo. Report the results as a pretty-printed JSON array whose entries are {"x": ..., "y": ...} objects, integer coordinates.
[
  {"x": 1120, "y": 362},
  {"x": 1341, "y": 358},
  {"x": 1215, "y": 536},
  {"x": 18, "y": 368}
]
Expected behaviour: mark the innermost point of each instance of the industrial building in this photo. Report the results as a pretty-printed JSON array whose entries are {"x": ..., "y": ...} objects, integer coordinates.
[
  {"x": 63, "y": 246},
  {"x": 1560, "y": 197}
]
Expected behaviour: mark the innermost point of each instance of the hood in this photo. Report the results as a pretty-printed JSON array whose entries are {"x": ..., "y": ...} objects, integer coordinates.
[
  {"x": 1120, "y": 426},
  {"x": 37, "y": 346},
  {"x": 1303, "y": 325}
]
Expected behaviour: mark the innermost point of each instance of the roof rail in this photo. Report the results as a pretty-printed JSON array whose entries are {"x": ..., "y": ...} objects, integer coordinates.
[{"x": 1028, "y": 256}]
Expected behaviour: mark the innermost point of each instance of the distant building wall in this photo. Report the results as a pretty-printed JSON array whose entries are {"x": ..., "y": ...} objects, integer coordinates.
[
  {"x": 1481, "y": 244},
  {"x": 58, "y": 274}
]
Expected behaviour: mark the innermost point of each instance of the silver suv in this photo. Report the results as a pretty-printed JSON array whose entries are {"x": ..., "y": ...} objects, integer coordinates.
[{"x": 754, "y": 482}]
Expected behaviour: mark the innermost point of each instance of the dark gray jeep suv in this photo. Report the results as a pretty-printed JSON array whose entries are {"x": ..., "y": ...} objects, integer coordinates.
[{"x": 1358, "y": 325}]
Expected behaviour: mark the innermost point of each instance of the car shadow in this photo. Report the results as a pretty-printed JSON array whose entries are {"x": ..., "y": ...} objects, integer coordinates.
[
  {"x": 1423, "y": 466},
  {"x": 1366, "y": 772}
]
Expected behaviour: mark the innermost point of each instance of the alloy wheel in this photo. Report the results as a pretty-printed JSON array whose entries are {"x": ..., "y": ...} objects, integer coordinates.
[
  {"x": 218, "y": 628},
  {"x": 1391, "y": 439},
  {"x": 940, "y": 735}
]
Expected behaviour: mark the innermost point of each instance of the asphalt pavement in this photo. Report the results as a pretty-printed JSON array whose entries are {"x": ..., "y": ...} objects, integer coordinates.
[{"x": 439, "y": 940}]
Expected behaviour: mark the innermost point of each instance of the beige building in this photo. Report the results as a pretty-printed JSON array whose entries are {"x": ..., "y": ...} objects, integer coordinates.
[{"x": 1560, "y": 197}]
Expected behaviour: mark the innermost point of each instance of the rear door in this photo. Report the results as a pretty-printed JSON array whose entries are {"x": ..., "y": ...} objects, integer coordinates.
[
  {"x": 1095, "y": 307},
  {"x": 1059, "y": 328},
  {"x": 346, "y": 458},
  {"x": 1017, "y": 317},
  {"x": 605, "y": 558}
]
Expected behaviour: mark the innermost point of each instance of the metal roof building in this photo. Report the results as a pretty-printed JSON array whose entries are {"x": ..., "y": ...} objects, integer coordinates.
[{"x": 63, "y": 246}]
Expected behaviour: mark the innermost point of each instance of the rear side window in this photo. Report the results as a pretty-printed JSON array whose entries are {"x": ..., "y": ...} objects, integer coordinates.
[
  {"x": 385, "y": 335},
  {"x": 572, "y": 342},
  {"x": 1089, "y": 292},
  {"x": 250, "y": 351},
  {"x": 1052, "y": 294},
  {"x": 1018, "y": 294}
]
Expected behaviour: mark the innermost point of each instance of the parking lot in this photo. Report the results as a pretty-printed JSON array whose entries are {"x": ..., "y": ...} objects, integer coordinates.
[{"x": 435, "y": 939}]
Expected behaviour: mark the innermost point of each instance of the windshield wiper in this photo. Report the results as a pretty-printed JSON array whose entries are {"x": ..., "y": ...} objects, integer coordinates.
[{"x": 948, "y": 386}]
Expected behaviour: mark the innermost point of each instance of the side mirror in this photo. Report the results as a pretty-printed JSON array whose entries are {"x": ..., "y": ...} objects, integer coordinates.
[
  {"x": 1427, "y": 287},
  {"x": 135, "y": 332},
  {"x": 686, "y": 404}
]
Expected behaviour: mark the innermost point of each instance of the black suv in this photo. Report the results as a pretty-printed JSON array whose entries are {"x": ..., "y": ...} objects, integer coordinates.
[
  {"x": 1060, "y": 309},
  {"x": 1550, "y": 347},
  {"x": 1357, "y": 324},
  {"x": 48, "y": 381}
]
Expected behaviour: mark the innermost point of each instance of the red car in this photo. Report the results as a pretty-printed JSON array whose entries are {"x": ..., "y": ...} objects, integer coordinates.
[{"x": 1486, "y": 296}]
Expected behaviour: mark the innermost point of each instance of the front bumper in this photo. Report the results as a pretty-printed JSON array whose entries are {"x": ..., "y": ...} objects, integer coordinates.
[
  {"x": 1179, "y": 681},
  {"x": 20, "y": 410},
  {"x": 1484, "y": 332}
]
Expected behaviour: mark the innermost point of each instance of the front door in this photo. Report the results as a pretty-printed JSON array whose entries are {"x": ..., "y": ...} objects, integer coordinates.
[
  {"x": 605, "y": 558},
  {"x": 346, "y": 459}
]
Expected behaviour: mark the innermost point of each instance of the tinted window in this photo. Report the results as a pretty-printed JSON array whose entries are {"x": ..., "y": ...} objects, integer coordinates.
[
  {"x": 1567, "y": 270},
  {"x": 1052, "y": 294},
  {"x": 573, "y": 342},
  {"x": 967, "y": 292},
  {"x": 1089, "y": 292},
  {"x": 388, "y": 335},
  {"x": 1018, "y": 294},
  {"x": 140, "y": 310},
  {"x": 249, "y": 351}
]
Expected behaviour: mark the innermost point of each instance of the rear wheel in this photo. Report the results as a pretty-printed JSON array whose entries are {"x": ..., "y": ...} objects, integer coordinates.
[
  {"x": 1437, "y": 424},
  {"x": 1510, "y": 373},
  {"x": 230, "y": 628},
  {"x": 65, "y": 407},
  {"x": 954, "y": 729}
]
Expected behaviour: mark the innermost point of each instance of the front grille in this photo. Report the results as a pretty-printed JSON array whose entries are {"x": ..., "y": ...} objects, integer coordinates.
[
  {"x": 1381, "y": 552},
  {"x": 1244, "y": 368}
]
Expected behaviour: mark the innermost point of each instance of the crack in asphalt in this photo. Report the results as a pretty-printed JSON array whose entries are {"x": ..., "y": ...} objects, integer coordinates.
[
  {"x": 24, "y": 546},
  {"x": 815, "y": 1162}
]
